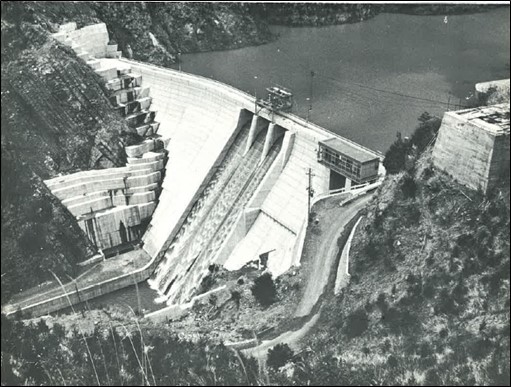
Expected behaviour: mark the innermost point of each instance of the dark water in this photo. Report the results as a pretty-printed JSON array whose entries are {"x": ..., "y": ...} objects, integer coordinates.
[
  {"x": 420, "y": 56},
  {"x": 127, "y": 299}
]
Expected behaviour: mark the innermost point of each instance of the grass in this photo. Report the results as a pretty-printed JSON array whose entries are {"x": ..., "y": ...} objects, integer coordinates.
[{"x": 425, "y": 287}]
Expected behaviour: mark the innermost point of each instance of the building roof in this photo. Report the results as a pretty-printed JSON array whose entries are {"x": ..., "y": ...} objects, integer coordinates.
[
  {"x": 494, "y": 118},
  {"x": 349, "y": 149}
]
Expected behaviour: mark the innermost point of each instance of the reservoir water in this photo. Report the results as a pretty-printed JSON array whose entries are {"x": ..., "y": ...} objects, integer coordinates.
[
  {"x": 371, "y": 80},
  {"x": 362, "y": 70}
]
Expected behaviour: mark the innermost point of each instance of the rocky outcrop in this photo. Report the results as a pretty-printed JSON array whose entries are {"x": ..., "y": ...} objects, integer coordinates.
[
  {"x": 155, "y": 32},
  {"x": 56, "y": 118}
]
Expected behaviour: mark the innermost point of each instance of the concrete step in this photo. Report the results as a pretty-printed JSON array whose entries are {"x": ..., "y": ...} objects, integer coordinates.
[
  {"x": 155, "y": 125},
  {"x": 124, "y": 71},
  {"x": 139, "y": 118},
  {"x": 68, "y": 27},
  {"x": 107, "y": 74},
  {"x": 148, "y": 129},
  {"x": 60, "y": 36},
  {"x": 111, "y": 48},
  {"x": 84, "y": 56},
  {"x": 94, "y": 63},
  {"x": 126, "y": 95},
  {"x": 124, "y": 81},
  {"x": 134, "y": 106},
  {"x": 114, "y": 55}
]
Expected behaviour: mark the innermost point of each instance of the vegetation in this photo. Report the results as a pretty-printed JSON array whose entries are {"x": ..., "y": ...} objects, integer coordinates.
[
  {"x": 51, "y": 105},
  {"x": 403, "y": 153},
  {"x": 264, "y": 289},
  {"x": 495, "y": 95},
  {"x": 279, "y": 356},
  {"x": 429, "y": 299},
  {"x": 125, "y": 355}
]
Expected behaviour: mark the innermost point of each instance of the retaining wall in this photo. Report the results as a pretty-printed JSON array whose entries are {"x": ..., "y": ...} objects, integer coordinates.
[{"x": 475, "y": 157}]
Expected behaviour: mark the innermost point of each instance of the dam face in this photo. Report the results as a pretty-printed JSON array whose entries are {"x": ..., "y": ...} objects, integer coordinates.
[
  {"x": 236, "y": 183},
  {"x": 231, "y": 184}
]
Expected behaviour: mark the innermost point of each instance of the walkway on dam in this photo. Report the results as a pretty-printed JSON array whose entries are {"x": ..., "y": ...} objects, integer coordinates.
[{"x": 319, "y": 259}]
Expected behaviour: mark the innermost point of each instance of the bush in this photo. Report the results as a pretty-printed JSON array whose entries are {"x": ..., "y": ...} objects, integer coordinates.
[
  {"x": 426, "y": 131},
  {"x": 279, "y": 356},
  {"x": 395, "y": 157},
  {"x": 409, "y": 187},
  {"x": 399, "y": 321},
  {"x": 264, "y": 289},
  {"x": 392, "y": 361},
  {"x": 356, "y": 323},
  {"x": 32, "y": 239}
]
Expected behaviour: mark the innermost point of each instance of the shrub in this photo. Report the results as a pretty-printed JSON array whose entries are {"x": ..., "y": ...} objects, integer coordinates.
[
  {"x": 356, "y": 323},
  {"x": 372, "y": 249},
  {"x": 264, "y": 289},
  {"x": 32, "y": 239},
  {"x": 409, "y": 187},
  {"x": 392, "y": 361},
  {"x": 425, "y": 133},
  {"x": 279, "y": 356},
  {"x": 399, "y": 321},
  {"x": 395, "y": 157},
  {"x": 432, "y": 378}
]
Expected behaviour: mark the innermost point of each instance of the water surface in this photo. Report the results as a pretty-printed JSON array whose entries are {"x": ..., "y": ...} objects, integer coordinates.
[{"x": 437, "y": 62}]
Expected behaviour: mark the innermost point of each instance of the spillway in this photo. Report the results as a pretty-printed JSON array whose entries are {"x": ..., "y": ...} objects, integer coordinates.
[
  {"x": 212, "y": 217},
  {"x": 236, "y": 182}
]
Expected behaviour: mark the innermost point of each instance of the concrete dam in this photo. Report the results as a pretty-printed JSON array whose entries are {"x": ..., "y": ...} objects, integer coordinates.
[{"x": 235, "y": 184}]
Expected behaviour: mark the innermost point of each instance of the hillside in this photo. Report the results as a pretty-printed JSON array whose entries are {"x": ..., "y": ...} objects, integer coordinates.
[
  {"x": 56, "y": 118},
  {"x": 156, "y": 32},
  {"x": 428, "y": 304},
  {"x": 428, "y": 301}
]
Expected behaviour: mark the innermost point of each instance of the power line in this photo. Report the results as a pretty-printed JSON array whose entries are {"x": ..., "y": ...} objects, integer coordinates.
[{"x": 389, "y": 92}]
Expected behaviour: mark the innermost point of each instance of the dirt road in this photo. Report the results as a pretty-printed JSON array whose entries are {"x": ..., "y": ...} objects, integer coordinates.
[
  {"x": 325, "y": 255},
  {"x": 318, "y": 278}
]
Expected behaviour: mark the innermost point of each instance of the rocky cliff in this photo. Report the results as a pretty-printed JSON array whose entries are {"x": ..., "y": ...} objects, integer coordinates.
[
  {"x": 56, "y": 118},
  {"x": 155, "y": 32}
]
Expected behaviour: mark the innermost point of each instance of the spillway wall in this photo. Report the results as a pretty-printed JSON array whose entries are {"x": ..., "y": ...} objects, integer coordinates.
[{"x": 201, "y": 117}]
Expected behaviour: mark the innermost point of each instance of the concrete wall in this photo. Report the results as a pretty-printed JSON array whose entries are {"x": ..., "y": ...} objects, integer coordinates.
[
  {"x": 92, "y": 39},
  {"x": 200, "y": 123},
  {"x": 202, "y": 118},
  {"x": 199, "y": 115},
  {"x": 473, "y": 156},
  {"x": 87, "y": 293}
]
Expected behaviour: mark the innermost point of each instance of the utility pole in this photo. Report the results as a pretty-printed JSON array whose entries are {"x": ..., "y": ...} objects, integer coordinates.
[
  {"x": 310, "y": 192},
  {"x": 255, "y": 95},
  {"x": 311, "y": 96}
]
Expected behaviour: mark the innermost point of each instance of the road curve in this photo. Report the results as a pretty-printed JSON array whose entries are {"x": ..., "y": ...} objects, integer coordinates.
[
  {"x": 318, "y": 279},
  {"x": 325, "y": 256}
]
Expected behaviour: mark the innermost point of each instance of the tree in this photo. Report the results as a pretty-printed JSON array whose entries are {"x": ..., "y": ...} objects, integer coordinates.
[
  {"x": 356, "y": 323},
  {"x": 395, "y": 157},
  {"x": 264, "y": 289},
  {"x": 279, "y": 355}
]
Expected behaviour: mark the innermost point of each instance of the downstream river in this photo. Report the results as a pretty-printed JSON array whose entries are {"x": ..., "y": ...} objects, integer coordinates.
[
  {"x": 365, "y": 71},
  {"x": 371, "y": 80}
]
